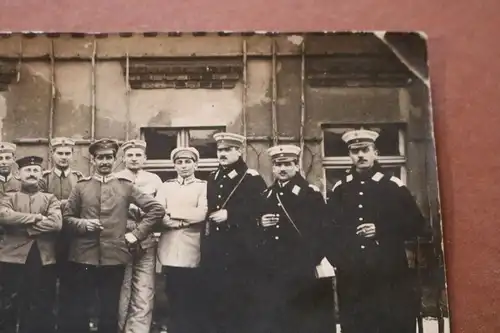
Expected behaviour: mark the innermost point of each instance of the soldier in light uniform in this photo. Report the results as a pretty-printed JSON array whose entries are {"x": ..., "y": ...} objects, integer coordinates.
[
  {"x": 291, "y": 224},
  {"x": 59, "y": 181},
  {"x": 27, "y": 253},
  {"x": 374, "y": 215},
  {"x": 97, "y": 212},
  {"x": 185, "y": 199},
  {"x": 233, "y": 193},
  {"x": 137, "y": 295},
  {"x": 8, "y": 182}
]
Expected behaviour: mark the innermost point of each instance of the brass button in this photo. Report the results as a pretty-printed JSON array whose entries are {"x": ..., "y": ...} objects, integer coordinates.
[
  {"x": 361, "y": 219},
  {"x": 276, "y": 238},
  {"x": 362, "y": 182},
  {"x": 360, "y": 206},
  {"x": 360, "y": 193},
  {"x": 362, "y": 246}
]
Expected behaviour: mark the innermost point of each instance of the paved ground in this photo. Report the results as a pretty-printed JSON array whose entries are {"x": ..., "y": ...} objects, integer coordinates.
[{"x": 430, "y": 326}]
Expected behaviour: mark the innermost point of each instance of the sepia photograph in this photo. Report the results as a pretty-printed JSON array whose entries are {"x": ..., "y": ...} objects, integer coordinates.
[{"x": 219, "y": 182}]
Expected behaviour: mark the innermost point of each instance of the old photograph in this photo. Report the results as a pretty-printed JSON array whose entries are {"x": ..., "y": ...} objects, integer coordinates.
[{"x": 219, "y": 182}]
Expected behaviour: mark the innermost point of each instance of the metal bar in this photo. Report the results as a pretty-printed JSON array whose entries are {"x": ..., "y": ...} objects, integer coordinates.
[
  {"x": 274, "y": 95},
  {"x": 302, "y": 104},
  {"x": 93, "y": 91},
  {"x": 20, "y": 60},
  {"x": 244, "y": 96},
  {"x": 127, "y": 76},
  {"x": 53, "y": 96}
]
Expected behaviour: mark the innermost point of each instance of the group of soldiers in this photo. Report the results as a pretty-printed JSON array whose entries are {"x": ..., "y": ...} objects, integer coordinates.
[{"x": 238, "y": 256}]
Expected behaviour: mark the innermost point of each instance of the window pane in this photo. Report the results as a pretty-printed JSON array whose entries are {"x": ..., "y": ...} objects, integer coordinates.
[
  {"x": 161, "y": 142},
  {"x": 387, "y": 142},
  {"x": 202, "y": 139},
  {"x": 334, "y": 175}
]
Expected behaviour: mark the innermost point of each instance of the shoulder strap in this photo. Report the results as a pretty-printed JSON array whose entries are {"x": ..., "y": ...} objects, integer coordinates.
[
  {"x": 234, "y": 190},
  {"x": 288, "y": 215}
]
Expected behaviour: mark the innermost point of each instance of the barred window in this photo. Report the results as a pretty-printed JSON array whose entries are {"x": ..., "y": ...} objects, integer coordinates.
[{"x": 162, "y": 140}]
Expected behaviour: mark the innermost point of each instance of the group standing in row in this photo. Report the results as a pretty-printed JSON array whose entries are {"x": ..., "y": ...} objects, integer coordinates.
[{"x": 237, "y": 255}]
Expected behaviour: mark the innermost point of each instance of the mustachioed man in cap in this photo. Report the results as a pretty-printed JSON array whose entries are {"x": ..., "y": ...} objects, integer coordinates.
[
  {"x": 374, "y": 214},
  {"x": 185, "y": 200},
  {"x": 97, "y": 211},
  {"x": 291, "y": 223},
  {"x": 59, "y": 181},
  {"x": 233, "y": 193},
  {"x": 32, "y": 220},
  {"x": 137, "y": 295},
  {"x": 8, "y": 182}
]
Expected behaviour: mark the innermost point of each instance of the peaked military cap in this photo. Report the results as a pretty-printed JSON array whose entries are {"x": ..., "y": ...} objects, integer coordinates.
[
  {"x": 7, "y": 147},
  {"x": 61, "y": 142},
  {"x": 103, "y": 144},
  {"x": 284, "y": 153},
  {"x": 134, "y": 144},
  {"x": 29, "y": 160},
  {"x": 185, "y": 152},
  {"x": 359, "y": 138},
  {"x": 229, "y": 139}
]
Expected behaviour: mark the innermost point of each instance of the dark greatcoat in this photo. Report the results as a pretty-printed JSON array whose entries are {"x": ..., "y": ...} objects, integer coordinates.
[{"x": 376, "y": 287}]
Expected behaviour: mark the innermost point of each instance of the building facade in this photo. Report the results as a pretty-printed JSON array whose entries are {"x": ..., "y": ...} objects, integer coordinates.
[{"x": 179, "y": 89}]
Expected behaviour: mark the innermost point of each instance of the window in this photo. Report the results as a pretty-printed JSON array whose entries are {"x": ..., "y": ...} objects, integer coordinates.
[
  {"x": 162, "y": 140},
  {"x": 390, "y": 144}
]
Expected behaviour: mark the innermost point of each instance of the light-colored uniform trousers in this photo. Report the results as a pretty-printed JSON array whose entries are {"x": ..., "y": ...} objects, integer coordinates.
[{"x": 138, "y": 289}]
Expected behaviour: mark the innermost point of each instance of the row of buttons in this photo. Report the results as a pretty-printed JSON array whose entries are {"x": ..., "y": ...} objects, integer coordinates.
[{"x": 361, "y": 206}]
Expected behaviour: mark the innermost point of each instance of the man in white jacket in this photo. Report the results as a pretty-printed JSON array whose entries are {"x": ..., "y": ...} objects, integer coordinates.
[{"x": 185, "y": 200}]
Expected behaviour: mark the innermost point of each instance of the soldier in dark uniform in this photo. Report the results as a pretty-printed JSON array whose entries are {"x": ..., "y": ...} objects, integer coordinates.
[
  {"x": 374, "y": 215},
  {"x": 27, "y": 253},
  {"x": 8, "y": 182},
  {"x": 290, "y": 228},
  {"x": 233, "y": 193},
  {"x": 59, "y": 181},
  {"x": 97, "y": 211}
]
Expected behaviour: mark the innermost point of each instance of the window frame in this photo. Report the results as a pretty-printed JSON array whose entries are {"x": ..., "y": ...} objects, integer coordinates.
[
  {"x": 345, "y": 162},
  {"x": 167, "y": 165}
]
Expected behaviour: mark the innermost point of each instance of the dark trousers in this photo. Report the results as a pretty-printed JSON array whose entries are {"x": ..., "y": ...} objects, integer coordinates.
[
  {"x": 85, "y": 281},
  {"x": 27, "y": 297},
  {"x": 227, "y": 300},
  {"x": 373, "y": 304},
  {"x": 63, "y": 269},
  {"x": 183, "y": 288},
  {"x": 300, "y": 304}
]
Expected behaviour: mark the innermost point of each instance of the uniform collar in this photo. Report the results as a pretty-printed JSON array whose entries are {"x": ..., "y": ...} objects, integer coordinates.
[
  {"x": 295, "y": 180},
  {"x": 233, "y": 170},
  {"x": 368, "y": 173},
  {"x": 185, "y": 181},
  {"x": 103, "y": 179},
  {"x": 4, "y": 179},
  {"x": 60, "y": 172}
]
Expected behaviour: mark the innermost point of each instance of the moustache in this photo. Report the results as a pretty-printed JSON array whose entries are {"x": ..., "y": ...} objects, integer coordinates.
[
  {"x": 32, "y": 177},
  {"x": 105, "y": 166}
]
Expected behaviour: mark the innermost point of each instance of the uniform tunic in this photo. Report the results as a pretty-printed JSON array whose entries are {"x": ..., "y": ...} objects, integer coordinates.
[
  {"x": 186, "y": 200},
  {"x": 226, "y": 248},
  {"x": 60, "y": 183},
  {"x": 107, "y": 198},
  {"x": 376, "y": 287},
  {"x": 288, "y": 253},
  {"x": 9, "y": 184},
  {"x": 27, "y": 255}
]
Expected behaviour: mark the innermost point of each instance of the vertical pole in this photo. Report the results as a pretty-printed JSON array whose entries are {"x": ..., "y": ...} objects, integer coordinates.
[
  {"x": 19, "y": 59},
  {"x": 93, "y": 91},
  {"x": 244, "y": 97},
  {"x": 127, "y": 76},
  {"x": 302, "y": 105},
  {"x": 274, "y": 94},
  {"x": 53, "y": 96}
]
